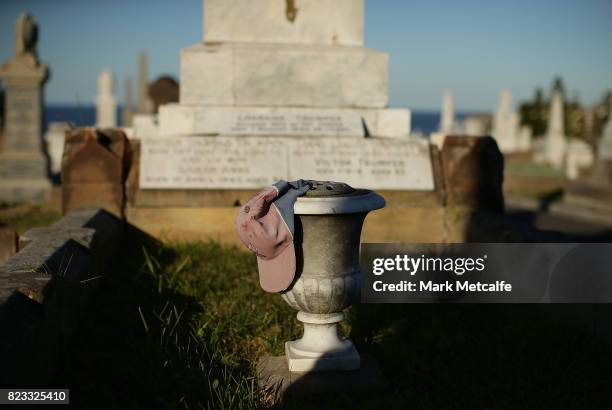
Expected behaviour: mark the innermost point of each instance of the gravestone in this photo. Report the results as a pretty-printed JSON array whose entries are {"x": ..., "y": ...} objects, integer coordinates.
[
  {"x": 593, "y": 191},
  {"x": 54, "y": 140},
  {"x": 506, "y": 130},
  {"x": 106, "y": 103},
  {"x": 447, "y": 116},
  {"x": 144, "y": 102},
  {"x": 94, "y": 168},
  {"x": 128, "y": 108},
  {"x": 23, "y": 166},
  {"x": 555, "y": 143},
  {"x": 271, "y": 94},
  {"x": 164, "y": 90}
]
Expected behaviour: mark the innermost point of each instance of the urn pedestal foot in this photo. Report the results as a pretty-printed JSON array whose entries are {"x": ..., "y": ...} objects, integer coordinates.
[{"x": 321, "y": 348}]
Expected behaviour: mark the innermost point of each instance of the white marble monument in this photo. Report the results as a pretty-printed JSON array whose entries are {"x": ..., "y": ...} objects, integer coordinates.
[
  {"x": 555, "y": 141},
  {"x": 579, "y": 156},
  {"x": 278, "y": 92},
  {"x": 506, "y": 128},
  {"x": 54, "y": 141},
  {"x": 106, "y": 103},
  {"x": 447, "y": 116}
]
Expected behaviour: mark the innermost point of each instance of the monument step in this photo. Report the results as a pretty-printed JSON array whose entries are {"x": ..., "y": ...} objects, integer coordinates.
[
  {"x": 177, "y": 120},
  {"x": 276, "y": 75}
]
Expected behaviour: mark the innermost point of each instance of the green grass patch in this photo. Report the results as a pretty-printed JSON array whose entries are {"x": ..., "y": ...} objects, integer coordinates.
[
  {"x": 182, "y": 327},
  {"x": 23, "y": 217}
]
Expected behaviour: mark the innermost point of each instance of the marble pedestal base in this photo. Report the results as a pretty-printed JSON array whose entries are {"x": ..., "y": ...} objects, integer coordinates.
[{"x": 321, "y": 349}]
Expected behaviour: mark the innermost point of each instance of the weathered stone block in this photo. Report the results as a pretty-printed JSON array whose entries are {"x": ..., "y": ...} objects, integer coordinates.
[
  {"x": 94, "y": 168},
  {"x": 276, "y": 75},
  {"x": 473, "y": 172},
  {"x": 308, "y": 22}
]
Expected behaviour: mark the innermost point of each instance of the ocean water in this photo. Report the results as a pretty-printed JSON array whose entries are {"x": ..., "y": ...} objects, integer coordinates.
[{"x": 424, "y": 122}]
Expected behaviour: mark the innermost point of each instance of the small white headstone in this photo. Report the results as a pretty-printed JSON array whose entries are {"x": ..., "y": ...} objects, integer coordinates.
[
  {"x": 54, "y": 140},
  {"x": 447, "y": 117},
  {"x": 555, "y": 143},
  {"x": 106, "y": 103}
]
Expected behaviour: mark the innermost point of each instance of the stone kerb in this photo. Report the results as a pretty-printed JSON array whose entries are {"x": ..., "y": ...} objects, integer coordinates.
[{"x": 44, "y": 288}]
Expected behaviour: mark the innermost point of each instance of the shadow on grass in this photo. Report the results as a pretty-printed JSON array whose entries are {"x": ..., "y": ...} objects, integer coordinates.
[
  {"x": 147, "y": 344},
  {"x": 488, "y": 356},
  {"x": 183, "y": 326}
]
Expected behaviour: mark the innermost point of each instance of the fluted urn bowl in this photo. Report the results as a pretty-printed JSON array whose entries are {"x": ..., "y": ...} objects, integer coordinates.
[{"x": 328, "y": 222}]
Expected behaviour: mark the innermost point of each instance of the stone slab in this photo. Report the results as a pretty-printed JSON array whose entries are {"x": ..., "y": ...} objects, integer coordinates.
[
  {"x": 23, "y": 117},
  {"x": 242, "y": 74},
  {"x": 275, "y": 379},
  {"x": 270, "y": 21},
  {"x": 183, "y": 120},
  {"x": 254, "y": 162},
  {"x": 189, "y": 120}
]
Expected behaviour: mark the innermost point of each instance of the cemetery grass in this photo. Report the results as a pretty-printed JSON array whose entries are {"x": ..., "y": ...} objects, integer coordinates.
[
  {"x": 23, "y": 217},
  {"x": 182, "y": 325}
]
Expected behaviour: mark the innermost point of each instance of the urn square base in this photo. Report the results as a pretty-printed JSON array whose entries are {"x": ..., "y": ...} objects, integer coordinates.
[
  {"x": 276, "y": 380},
  {"x": 346, "y": 359}
]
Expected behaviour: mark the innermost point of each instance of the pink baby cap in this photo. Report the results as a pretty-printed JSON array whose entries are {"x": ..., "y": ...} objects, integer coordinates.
[{"x": 262, "y": 228}]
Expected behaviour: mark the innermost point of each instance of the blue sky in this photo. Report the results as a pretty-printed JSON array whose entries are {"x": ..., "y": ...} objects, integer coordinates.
[{"x": 473, "y": 47}]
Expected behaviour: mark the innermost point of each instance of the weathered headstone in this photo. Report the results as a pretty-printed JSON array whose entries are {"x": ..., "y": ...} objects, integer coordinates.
[
  {"x": 94, "y": 169},
  {"x": 164, "y": 90},
  {"x": 473, "y": 172},
  {"x": 106, "y": 103},
  {"x": 23, "y": 166}
]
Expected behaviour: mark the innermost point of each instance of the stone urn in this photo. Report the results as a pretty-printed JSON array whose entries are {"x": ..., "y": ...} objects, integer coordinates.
[{"x": 328, "y": 222}]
